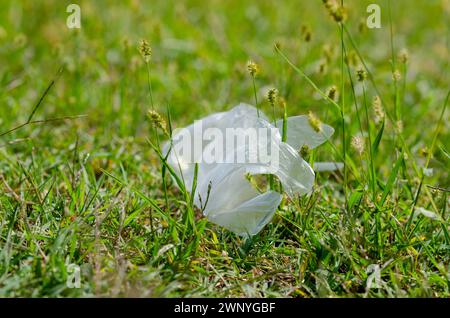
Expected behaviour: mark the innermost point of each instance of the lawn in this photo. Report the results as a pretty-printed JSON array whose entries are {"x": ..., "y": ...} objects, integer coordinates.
[{"x": 88, "y": 208}]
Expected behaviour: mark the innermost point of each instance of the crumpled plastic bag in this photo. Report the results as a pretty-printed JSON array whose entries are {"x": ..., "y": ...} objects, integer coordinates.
[{"x": 232, "y": 201}]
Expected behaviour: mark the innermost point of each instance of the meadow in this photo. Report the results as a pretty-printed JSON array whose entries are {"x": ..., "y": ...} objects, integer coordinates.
[{"x": 84, "y": 192}]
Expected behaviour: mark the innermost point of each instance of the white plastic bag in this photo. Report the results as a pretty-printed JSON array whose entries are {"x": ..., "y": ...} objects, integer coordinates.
[{"x": 233, "y": 202}]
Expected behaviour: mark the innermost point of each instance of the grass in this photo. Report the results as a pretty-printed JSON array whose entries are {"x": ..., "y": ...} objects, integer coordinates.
[{"x": 81, "y": 182}]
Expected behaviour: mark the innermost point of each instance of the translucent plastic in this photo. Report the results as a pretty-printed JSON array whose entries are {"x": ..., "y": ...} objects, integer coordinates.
[{"x": 232, "y": 201}]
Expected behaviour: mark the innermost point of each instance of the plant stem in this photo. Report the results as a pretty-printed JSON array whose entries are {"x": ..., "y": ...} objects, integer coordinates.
[
  {"x": 254, "y": 92},
  {"x": 371, "y": 163},
  {"x": 344, "y": 146}
]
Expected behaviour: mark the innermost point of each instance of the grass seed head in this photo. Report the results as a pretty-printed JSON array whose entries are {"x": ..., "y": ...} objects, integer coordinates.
[
  {"x": 315, "y": 122},
  {"x": 340, "y": 14},
  {"x": 361, "y": 75},
  {"x": 378, "y": 109},
  {"x": 157, "y": 121},
  {"x": 252, "y": 68},
  {"x": 277, "y": 46},
  {"x": 357, "y": 144},
  {"x": 145, "y": 50},
  {"x": 322, "y": 67},
  {"x": 424, "y": 151},
  {"x": 332, "y": 93},
  {"x": 337, "y": 12},
  {"x": 403, "y": 56},
  {"x": 304, "y": 151},
  {"x": 396, "y": 75},
  {"x": 306, "y": 33},
  {"x": 272, "y": 95},
  {"x": 362, "y": 26}
]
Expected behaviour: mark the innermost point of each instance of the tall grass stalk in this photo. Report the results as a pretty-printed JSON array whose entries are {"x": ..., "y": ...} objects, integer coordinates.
[{"x": 344, "y": 142}]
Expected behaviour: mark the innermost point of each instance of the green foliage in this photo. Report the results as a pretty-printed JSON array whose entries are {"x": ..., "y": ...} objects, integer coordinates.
[{"x": 83, "y": 181}]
